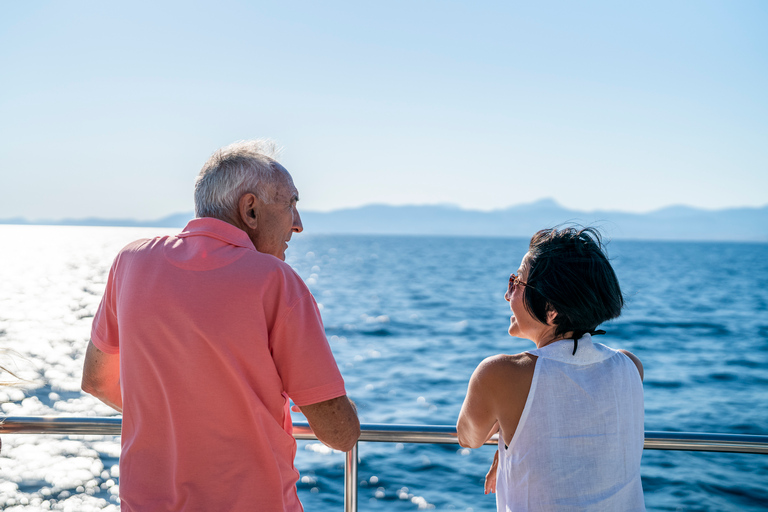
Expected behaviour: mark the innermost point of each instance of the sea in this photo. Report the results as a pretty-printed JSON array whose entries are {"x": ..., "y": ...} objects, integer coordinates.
[{"x": 408, "y": 319}]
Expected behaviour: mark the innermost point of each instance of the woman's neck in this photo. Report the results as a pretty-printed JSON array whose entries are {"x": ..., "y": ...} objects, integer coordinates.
[{"x": 549, "y": 337}]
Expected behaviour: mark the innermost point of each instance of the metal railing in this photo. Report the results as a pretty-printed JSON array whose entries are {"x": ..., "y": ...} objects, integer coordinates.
[{"x": 376, "y": 432}]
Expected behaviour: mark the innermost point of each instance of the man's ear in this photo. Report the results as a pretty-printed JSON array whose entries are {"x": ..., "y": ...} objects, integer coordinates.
[{"x": 246, "y": 208}]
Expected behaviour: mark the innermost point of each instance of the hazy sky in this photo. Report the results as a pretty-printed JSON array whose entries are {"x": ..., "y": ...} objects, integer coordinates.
[{"x": 110, "y": 108}]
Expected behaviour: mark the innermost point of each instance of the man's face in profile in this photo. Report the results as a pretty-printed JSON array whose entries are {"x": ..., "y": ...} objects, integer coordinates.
[{"x": 277, "y": 221}]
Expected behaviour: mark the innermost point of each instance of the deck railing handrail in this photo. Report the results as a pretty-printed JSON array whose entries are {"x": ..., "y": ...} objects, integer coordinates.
[
  {"x": 390, "y": 433},
  {"x": 378, "y": 432}
]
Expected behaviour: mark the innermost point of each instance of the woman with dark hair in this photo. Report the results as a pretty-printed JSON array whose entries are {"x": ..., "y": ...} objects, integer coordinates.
[{"x": 570, "y": 413}]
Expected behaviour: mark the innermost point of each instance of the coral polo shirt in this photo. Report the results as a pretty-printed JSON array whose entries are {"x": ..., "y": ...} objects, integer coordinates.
[{"x": 213, "y": 338}]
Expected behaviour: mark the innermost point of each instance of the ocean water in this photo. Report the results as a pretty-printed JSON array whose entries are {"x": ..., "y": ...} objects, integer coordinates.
[{"x": 408, "y": 319}]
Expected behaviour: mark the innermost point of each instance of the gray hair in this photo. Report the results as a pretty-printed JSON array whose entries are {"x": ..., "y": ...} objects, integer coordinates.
[{"x": 242, "y": 167}]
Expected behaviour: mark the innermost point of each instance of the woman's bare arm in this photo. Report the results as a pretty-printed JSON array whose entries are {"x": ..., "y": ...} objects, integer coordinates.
[{"x": 478, "y": 419}]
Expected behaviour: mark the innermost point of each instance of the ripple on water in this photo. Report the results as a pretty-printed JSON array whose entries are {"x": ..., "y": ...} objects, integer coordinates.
[
  {"x": 653, "y": 328},
  {"x": 745, "y": 363},
  {"x": 663, "y": 384},
  {"x": 719, "y": 377}
]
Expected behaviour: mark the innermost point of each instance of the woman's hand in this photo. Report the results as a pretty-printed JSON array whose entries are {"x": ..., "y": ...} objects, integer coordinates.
[{"x": 490, "y": 478}]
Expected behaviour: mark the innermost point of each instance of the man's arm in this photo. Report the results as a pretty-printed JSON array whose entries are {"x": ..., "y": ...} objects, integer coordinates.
[
  {"x": 334, "y": 422},
  {"x": 101, "y": 376}
]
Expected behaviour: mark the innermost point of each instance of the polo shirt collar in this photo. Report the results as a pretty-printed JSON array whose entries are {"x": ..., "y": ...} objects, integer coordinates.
[{"x": 218, "y": 229}]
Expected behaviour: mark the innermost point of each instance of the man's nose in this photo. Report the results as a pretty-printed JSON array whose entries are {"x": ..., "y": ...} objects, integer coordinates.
[{"x": 298, "y": 227}]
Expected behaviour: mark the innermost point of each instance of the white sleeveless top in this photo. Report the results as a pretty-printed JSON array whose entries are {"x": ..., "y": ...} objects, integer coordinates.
[{"x": 580, "y": 438}]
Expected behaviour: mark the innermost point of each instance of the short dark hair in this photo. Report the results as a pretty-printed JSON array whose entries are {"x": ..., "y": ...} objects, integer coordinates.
[{"x": 568, "y": 272}]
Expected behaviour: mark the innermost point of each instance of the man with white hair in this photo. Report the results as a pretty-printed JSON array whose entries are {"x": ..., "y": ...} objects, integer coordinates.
[{"x": 201, "y": 339}]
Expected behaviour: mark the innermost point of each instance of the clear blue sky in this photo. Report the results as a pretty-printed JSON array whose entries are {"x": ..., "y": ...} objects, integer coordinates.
[{"x": 110, "y": 108}]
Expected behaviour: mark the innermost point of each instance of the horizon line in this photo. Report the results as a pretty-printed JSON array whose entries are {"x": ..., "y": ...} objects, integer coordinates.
[{"x": 454, "y": 206}]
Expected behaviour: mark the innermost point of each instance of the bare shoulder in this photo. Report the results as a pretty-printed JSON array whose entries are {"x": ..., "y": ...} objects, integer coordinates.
[
  {"x": 506, "y": 381},
  {"x": 506, "y": 368},
  {"x": 635, "y": 360}
]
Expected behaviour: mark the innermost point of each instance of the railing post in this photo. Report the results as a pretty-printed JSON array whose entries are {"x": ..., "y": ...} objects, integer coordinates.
[{"x": 350, "y": 480}]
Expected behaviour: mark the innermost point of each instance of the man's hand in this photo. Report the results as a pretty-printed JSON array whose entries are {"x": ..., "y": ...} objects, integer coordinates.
[{"x": 334, "y": 422}]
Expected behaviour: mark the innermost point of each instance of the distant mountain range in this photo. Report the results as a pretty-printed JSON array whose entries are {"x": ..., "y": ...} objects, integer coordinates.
[
  {"x": 171, "y": 221},
  {"x": 671, "y": 223}
]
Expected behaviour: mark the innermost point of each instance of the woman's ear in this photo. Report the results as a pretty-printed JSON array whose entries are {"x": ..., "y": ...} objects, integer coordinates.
[{"x": 551, "y": 315}]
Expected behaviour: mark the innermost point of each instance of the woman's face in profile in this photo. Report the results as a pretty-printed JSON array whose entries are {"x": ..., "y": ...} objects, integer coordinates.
[{"x": 522, "y": 324}]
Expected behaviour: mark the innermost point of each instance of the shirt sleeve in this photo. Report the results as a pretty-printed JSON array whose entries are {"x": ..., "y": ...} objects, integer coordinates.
[
  {"x": 302, "y": 355},
  {"x": 104, "y": 331}
]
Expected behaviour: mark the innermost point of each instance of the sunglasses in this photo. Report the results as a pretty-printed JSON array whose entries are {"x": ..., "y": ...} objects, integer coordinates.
[{"x": 514, "y": 281}]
